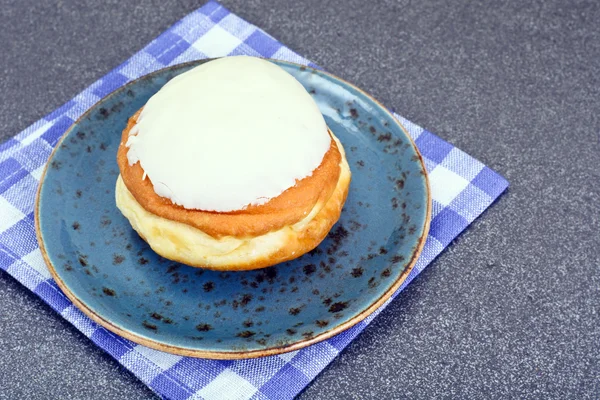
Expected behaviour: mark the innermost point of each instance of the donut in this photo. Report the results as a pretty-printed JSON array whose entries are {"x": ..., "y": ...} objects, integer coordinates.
[{"x": 230, "y": 166}]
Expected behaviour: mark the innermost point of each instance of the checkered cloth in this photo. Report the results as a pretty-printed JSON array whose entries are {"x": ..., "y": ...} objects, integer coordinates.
[{"x": 462, "y": 189}]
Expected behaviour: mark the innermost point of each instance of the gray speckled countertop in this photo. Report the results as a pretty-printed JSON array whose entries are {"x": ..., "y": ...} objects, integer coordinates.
[{"x": 511, "y": 309}]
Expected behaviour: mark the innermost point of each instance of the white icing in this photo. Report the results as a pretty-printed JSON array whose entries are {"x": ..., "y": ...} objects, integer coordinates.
[{"x": 229, "y": 133}]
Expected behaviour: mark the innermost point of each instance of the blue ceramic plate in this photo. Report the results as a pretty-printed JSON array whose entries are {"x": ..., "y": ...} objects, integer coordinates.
[{"x": 114, "y": 277}]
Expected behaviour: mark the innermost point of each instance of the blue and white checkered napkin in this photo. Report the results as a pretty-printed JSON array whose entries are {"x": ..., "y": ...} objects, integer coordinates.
[{"x": 462, "y": 188}]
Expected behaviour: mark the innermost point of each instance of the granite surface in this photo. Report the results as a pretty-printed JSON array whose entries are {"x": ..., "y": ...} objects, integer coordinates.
[{"x": 511, "y": 309}]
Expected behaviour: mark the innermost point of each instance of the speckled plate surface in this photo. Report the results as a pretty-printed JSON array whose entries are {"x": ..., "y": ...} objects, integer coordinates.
[{"x": 115, "y": 278}]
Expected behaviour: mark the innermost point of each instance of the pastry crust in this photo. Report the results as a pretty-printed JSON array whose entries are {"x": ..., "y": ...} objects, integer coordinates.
[
  {"x": 288, "y": 208},
  {"x": 186, "y": 243}
]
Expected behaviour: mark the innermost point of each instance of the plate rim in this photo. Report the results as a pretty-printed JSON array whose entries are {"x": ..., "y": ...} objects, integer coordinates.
[{"x": 245, "y": 354}]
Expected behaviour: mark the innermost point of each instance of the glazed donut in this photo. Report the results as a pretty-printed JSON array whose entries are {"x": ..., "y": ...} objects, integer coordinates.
[{"x": 265, "y": 188}]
